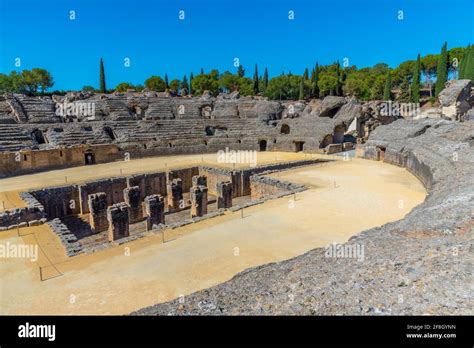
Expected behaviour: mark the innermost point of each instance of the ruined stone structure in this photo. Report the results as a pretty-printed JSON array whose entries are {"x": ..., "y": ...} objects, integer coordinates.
[
  {"x": 131, "y": 197},
  {"x": 175, "y": 194},
  {"x": 33, "y": 137},
  {"x": 154, "y": 208},
  {"x": 424, "y": 258},
  {"x": 98, "y": 211},
  {"x": 224, "y": 194},
  {"x": 118, "y": 218},
  {"x": 198, "y": 200}
]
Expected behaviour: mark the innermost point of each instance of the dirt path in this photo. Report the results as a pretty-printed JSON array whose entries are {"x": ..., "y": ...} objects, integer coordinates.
[{"x": 345, "y": 198}]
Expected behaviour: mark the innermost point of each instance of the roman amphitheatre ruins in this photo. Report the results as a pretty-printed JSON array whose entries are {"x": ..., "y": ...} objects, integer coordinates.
[{"x": 134, "y": 212}]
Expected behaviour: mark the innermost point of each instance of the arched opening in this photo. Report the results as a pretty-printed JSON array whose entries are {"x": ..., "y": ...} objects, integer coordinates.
[
  {"x": 239, "y": 141},
  {"x": 89, "y": 158},
  {"x": 326, "y": 141},
  {"x": 205, "y": 142},
  {"x": 38, "y": 136},
  {"x": 285, "y": 129},
  {"x": 262, "y": 145},
  {"x": 338, "y": 136},
  {"x": 110, "y": 133},
  {"x": 380, "y": 153},
  {"x": 170, "y": 145},
  {"x": 299, "y": 146}
]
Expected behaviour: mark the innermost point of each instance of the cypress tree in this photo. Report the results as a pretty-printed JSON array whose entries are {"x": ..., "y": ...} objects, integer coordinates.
[
  {"x": 462, "y": 64},
  {"x": 265, "y": 79},
  {"x": 255, "y": 81},
  {"x": 167, "y": 86},
  {"x": 191, "y": 77},
  {"x": 415, "y": 85},
  {"x": 315, "y": 88},
  {"x": 301, "y": 94},
  {"x": 103, "y": 88},
  {"x": 240, "y": 71},
  {"x": 202, "y": 71},
  {"x": 184, "y": 83},
  {"x": 387, "y": 94},
  {"x": 467, "y": 64},
  {"x": 306, "y": 75},
  {"x": 442, "y": 70}
]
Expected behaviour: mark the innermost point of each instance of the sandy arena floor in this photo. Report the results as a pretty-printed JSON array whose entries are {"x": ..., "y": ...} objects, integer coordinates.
[{"x": 345, "y": 197}]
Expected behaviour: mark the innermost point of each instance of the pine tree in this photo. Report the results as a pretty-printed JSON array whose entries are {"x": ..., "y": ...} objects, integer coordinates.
[
  {"x": 167, "y": 86},
  {"x": 265, "y": 79},
  {"x": 306, "y": 75},
  {"x": 404, "y": 95},
  {"x": 301, "y": 94},
  {"x": 255, "y": 81},
  {"x": 387, "y": 91},
  {"x": 415, "y": 85},
  {"x": 103, "y": 88},
  {"x": 442, "y": 70}
]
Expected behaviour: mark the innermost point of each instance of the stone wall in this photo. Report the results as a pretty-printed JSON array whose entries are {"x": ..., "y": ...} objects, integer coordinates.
[
  {"x": 185, "y": 174},
  {"x": 59, "y": 201},
  {"x": 113, "y": 188},
  {"x": 31, "y": 161},
  {"x": 264, "y": 186}
]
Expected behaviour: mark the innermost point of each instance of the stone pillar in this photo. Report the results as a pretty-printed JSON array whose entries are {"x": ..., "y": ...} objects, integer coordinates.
[
  {"x": 224, "y": 194},
  {"x": 97, "y": 203},
  {"x": 198, "y": 200},
  {"x": 131, "y": 197},
  {"x": 174, "y": 191},
  {"x": 117, "y": 215},
  {"x": 154, "y": 208},
  {"x": 199, "y": 180}
]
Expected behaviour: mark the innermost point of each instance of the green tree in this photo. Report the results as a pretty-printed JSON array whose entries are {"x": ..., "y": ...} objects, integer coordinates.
[
  {"x": 191, "y": 77},
  {"x": 301, "y": 92},
  {"x": 354, "y": 86},
  {"x": 306, "y": 74},
  {"x": 328, "y": 84},
  {"x": 315, "y": 80},
  {"x": 5, "y": 83},
  {"x": 88, "y": 89},
  {"x": 174, "y": 85},
  {"x": 155, "y": 83},
  {"x": 442, "y": 70},
  {"x": 415, "y": 84},
  {"x": 229, "y": 82},
  {"x": 377, "y": 89},
  {"x": 123, "y": 87},
  {"x": 404, "y": 96},
  {"x": 387, "y": 91},
  {"x": 206, "y": 82},
  {"x": 255, "y": 81},
  {"x": 265, "y": 79},
  {"x": 240, "y": 71},
  {"x": 103, "y": 87},
  {"x": 284, "y": 87},
  {"x": 184, "y": 83},
  {"x": 167, "y": 85},
  {"x": 467, "y": 64}
]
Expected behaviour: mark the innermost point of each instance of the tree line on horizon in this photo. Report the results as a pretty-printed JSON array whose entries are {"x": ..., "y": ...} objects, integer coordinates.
[{"x": 371, "y": 83}]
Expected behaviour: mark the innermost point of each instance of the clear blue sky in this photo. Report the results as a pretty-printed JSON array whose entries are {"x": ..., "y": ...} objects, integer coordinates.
[{"x": 214, "y": 32}]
